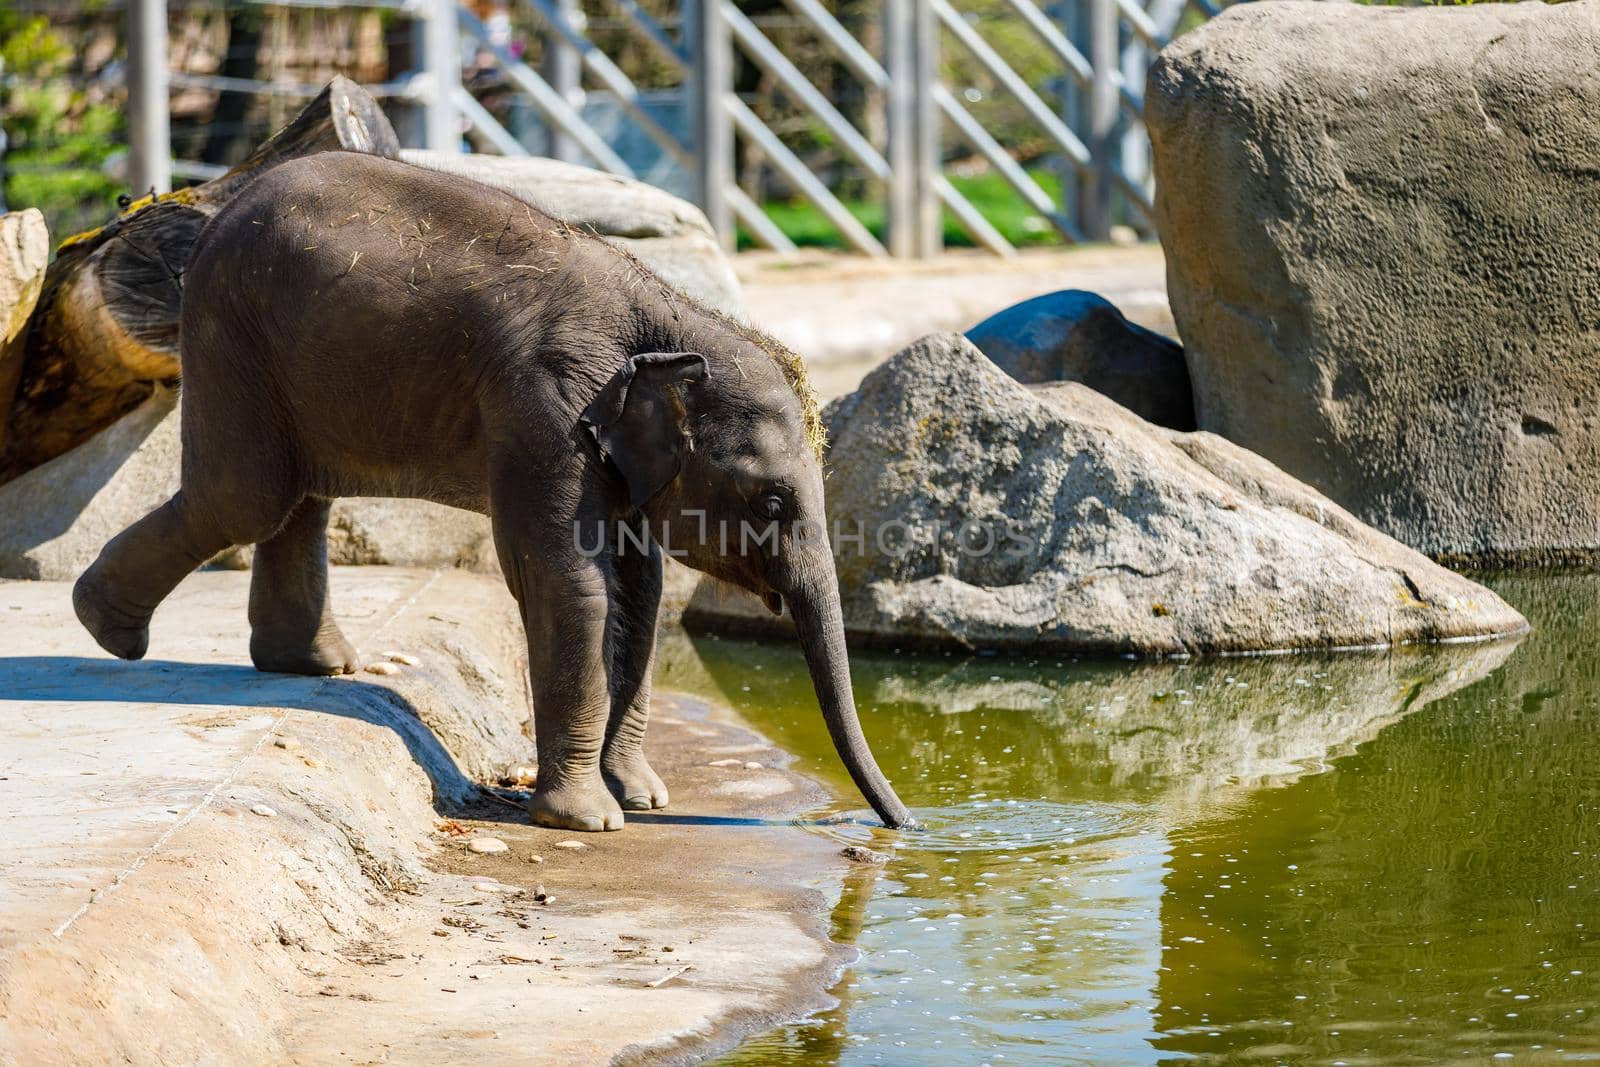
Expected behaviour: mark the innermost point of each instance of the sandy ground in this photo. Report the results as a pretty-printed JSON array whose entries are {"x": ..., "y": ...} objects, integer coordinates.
[
  {"x": 847, "y": 314},
  {"x": 203, "y": 863}
]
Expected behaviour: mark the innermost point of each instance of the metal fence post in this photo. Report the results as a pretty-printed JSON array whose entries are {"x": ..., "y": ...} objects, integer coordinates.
[
  {"x": 441, "y": 60},
  {"x": 711, "y": 79},
  {"x": 911, "y": 56},
  {"x": 1105, "y": 56},
  {"x": 899, "y": 59},
  {"x": 563, "y": 69},
  {"x": 1068, "y": 16},
  {"x": 930, "y": 152},
  {"x": 149, "y": 129}
]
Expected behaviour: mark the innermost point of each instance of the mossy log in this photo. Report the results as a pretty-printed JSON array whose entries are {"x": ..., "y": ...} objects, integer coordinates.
[{"x": 105, "y": 329}]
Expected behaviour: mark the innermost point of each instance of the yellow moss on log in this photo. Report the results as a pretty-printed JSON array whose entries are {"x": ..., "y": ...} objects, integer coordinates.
[{"x": 178, "y": 196}]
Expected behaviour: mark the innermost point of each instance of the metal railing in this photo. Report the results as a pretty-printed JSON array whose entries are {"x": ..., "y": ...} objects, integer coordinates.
[{"x": 1090, "y": 117}]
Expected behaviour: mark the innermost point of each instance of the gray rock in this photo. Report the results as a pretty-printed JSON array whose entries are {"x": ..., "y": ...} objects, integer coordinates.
[
  {"x": 55, "y": 518},
  {"x": 1077, "y": 336},
  {"x": 409, "y": 533},
  {"x": 1380, "y": 235},
  {"x": 1110, "y": 535},
  {"x": 669, "y": 235}
]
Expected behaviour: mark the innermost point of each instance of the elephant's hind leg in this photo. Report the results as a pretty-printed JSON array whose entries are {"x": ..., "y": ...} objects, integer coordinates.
[
  {"x": 116, "y": 596},
  {"x": 291, "y": 625}
]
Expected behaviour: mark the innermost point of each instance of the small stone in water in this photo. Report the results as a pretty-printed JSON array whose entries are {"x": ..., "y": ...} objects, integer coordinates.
[
  {"x": 382, "y": 668},
  {"x": 262, "y": 809},
  {"x": 487, "y": 845},
  {"x": 401, "y": 657},
  {"x": 861, "y": 854}
]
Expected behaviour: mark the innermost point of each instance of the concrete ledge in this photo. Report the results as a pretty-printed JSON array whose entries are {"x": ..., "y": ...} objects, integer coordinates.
[{"x": 204, "y": 863}]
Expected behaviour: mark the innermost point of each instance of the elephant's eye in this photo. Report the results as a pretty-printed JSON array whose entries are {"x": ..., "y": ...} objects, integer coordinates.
[{"x": 769, "y": 506}]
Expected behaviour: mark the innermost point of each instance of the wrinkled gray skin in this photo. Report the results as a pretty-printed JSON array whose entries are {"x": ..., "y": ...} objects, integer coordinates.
[{"x": 354, "y": 326}]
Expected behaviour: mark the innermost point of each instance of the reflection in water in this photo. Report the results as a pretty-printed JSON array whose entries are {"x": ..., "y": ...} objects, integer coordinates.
[
  {"x": 1435, "y": 897},
  {"x": 1128, "y": 862}
]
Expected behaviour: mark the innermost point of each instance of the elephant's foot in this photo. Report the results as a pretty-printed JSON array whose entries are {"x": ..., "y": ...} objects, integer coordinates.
[
  {"x": 582, "y": 805},
  {"x": 326, "y": 652},
  {"x": 635, "y": 785},
  {"x": 119, "y": 631}
]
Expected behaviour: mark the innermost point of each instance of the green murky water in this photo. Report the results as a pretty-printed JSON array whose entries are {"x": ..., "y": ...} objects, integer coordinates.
[{"x": 1307, "y": 859}]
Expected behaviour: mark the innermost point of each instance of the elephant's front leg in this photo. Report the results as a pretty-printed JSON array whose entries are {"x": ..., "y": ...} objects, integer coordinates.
[
  {"x": 635, "y": 604},
  {"x": 564, "y": 605}
]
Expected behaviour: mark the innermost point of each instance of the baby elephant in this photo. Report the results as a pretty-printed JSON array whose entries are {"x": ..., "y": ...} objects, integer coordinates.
[{"x": 354, "y": 326}]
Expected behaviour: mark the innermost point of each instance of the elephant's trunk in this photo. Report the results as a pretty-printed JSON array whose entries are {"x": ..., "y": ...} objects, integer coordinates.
[{"x": 813, "y": 597}]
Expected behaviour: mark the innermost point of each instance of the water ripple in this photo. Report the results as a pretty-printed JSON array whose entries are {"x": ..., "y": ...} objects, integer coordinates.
[{"x": 993, "y": 826}]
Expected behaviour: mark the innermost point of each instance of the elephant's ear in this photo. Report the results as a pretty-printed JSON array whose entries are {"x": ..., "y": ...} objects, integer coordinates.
[{"x": 638, "y": 422}]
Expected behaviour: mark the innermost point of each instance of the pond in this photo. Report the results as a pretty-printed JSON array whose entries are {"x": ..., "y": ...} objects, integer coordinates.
[{"x": 1348, "y": 858}]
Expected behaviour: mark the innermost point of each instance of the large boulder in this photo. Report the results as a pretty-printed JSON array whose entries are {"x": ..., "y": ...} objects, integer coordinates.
[
  {"x": 980, "y": 513},
  {"x": 1078, "y": 336},
  {"x": 669, "y": 235},
  {"x": 1380, "y": 226}
]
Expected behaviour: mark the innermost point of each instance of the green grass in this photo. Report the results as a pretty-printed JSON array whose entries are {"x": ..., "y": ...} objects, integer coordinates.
[
  {"x": 60, "y": 138},
  {"x": 989, "y": 193}
]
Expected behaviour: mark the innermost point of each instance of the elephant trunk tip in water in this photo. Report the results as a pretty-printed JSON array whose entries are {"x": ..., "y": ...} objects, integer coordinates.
[{"x": 812, "y": 593}]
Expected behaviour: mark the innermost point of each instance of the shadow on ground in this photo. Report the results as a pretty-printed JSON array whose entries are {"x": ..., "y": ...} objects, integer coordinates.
[{"x": 83, "y": 679}]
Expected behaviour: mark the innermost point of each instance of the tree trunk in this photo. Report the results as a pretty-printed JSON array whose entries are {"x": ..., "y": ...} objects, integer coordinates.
[{"x": 105, "y": 330}]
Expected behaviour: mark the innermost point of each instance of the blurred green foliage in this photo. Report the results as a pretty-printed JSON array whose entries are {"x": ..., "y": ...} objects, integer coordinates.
[
  {"x": 61, "y": 132},
  {"x": 989, "y": 193}
]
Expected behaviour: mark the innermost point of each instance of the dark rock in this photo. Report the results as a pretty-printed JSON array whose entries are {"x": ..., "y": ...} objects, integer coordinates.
[{"x": 1077, "y": 336}]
